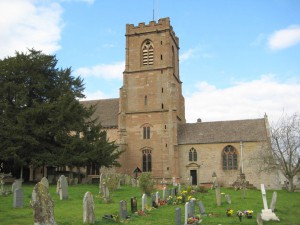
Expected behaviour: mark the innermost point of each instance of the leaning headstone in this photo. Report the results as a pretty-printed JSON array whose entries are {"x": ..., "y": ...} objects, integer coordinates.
[
  {"x": 88, "y": 208},
  {"x": 218, "y": 195},
  {"x": 201, "y": 208},
  {"x": 178, "y": 216},
  {"x": 133, "y": 203},
  {"x": 266, "y": 214},
  {"x": 228, "y": 199},
  {"x": 63, "y": 190},
  {"x": 45, "y": 182},
  {"x": 123, "y": 209},
  {"x": 259, "y": 219},
  {"x": 17, "y": 184},
  {"x": 273, "y": 202},
  {"x": 186, "y": 212},
  {"x": 18, "y": 198},
  {"x": 43, "y": 206}
]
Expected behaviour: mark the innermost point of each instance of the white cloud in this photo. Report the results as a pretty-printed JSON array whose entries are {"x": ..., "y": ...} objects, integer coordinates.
[
  {"x": 85, "y": 1},
  {"x": 106, "y": 71},
  {"x": 29, "y": 24},
  {"x": 245, "y": 100},
  {"x": 94, "y": 95},
  {"x": 284, "y": 38},
  {"x": 194, "y": 52}
]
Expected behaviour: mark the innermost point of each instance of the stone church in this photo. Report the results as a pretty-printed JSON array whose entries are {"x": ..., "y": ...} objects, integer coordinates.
[{"x": 148, "y": 120}]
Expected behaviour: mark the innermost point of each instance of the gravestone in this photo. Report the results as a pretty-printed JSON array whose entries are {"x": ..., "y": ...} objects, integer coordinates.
[
  {"x": 179, "y": 189},
  {"x": 273, "y": 202},
  {"x": 267, "y": 214},
  {"x": 173, "y": 192},
  {"x": 218, "y": 195},
  {"x": 201, "y": 208},
  {"x": 157, "y": 197},
  {"x": 178, "y": 216},
  {"x": 164, "y": 193},
  {"x": 133, "y": 203},
  {"x": 192, "y": 208},
  {"x": 17, "y": 184},
  {"x": 42, "y": 205},
  {"x": 18, "y": 198},
  {"x": 259, "y": 219},
  {"x": 228, "y": 199},
  {"x": 123, "y": 209},
  {"x": 45, "y": 182},
  {"x": 105, "y": 192},
  {"x": 186, "y": 212},
  {"x": 63, "y": 188},
  {"x": 100, "y": 183},
  {"x": 88, "y": 208},
  {"x": 144, "y": 199}
]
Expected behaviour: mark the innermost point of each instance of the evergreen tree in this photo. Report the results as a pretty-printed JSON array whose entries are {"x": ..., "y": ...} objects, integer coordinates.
[{"x": 41, "y": 118}]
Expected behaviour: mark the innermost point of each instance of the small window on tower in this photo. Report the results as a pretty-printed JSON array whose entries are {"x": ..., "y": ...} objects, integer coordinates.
[{"x": 147, "y": 53}]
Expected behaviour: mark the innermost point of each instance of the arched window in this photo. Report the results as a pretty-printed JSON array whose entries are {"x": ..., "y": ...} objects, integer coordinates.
[
  {"x": 147, "y": 160},
  {"x": 229, "y": 158},
  {"x": 147, "y": 53},
  {"x": 192, "y": 155}
]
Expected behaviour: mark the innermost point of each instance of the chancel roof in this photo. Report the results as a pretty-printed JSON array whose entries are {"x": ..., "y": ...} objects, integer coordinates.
[
  {"x": 222, "y": 131},
  {"x": 106, "y": 111}
]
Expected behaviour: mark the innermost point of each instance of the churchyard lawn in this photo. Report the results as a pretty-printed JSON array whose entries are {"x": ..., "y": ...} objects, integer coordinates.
[{"x": 70, "y": 211}]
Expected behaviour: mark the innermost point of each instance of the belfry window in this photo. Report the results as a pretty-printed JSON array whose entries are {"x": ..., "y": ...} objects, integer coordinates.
[
  {"x": 147, "y": 161},
  {"x": 147, "y": 53},
  {"x": 192, "y": 155},
  {"x": 229, "y": 155}
]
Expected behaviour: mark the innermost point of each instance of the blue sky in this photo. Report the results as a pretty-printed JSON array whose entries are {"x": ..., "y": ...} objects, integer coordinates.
[{"x": 239, "y": 59}]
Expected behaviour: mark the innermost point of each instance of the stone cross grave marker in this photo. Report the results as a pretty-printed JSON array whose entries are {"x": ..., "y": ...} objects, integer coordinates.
[
  {"x": 123, "y": 209},
  {"x": 42, "y": 205},
  {"x": 266, "y": 214},
  {"x": 186, "y": 212},
  {"x": 178, "y": 216},
  {"x": 45, "y": 182},
  {"x": 18, "y": 198},
  {"x": 88, "y": 208},
  {"x": 201, "y": 208},
  {"x": 63, "y": 189},
  {"x": 273, "y": 202},
  {"x": 228, "y": 199},
  {"x": 218, "y": 195},
  {"x": 133, "y": 203},
  {"x": 192, "y": 208}
]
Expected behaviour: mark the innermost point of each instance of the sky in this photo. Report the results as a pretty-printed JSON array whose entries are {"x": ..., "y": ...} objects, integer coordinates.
[{"x": 239, "y": 59}]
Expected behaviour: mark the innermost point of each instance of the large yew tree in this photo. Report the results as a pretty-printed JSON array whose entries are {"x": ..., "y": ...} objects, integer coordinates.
[{"x": 41, "y": 119}]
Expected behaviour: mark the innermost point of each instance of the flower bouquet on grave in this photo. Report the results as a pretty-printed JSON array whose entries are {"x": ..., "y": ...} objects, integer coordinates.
[
  {"x": 240, "y": 215},
  {"x": 194, "y": 219},
  {"x": 229, "y": 212},
  {"x": 248, "y": 213},
  {"x": 170, "y": 200}
]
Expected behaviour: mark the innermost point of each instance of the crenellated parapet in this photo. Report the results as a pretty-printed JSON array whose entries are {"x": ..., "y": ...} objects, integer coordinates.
[{"x": 161, "y": 26}]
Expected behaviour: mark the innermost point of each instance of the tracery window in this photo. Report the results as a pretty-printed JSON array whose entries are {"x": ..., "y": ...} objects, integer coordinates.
[
  {"x": 147, "y": 160},
  {"x": 192, "y": 155},
  {"x": 230, "y": 158},
  {"x": 147, "y": 53}
]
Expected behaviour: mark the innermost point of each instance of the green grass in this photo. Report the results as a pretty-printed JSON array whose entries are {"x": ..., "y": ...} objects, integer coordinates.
[{"x": 69, "y": 212}]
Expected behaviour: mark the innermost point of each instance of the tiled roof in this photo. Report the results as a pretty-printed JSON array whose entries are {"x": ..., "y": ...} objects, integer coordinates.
[
  {"x": 106, "y": 111},
  {"x": 222, "y": 131}
]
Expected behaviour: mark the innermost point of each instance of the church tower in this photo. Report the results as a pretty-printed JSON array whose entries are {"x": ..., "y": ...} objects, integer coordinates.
[{"x": 151, "y": 101}]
